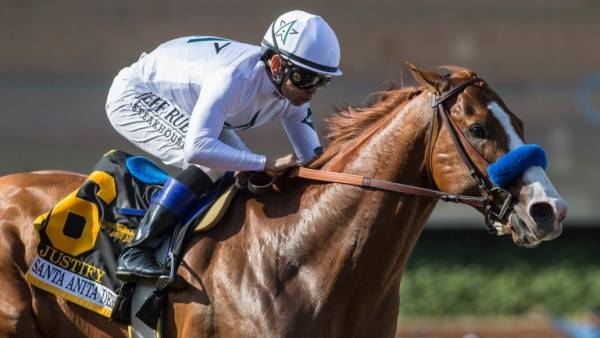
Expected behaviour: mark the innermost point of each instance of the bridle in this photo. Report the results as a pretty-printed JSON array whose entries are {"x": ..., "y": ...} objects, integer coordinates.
[
  {"x": 495, "y": 202},
  {"x": 498, "y": 199}
]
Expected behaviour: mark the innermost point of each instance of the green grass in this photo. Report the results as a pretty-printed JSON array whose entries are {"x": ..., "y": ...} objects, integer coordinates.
[{"x": 470, "y": 273}]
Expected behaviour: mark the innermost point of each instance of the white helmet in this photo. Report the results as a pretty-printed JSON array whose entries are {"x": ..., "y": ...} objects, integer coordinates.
[{"x": 306, "y": 40}]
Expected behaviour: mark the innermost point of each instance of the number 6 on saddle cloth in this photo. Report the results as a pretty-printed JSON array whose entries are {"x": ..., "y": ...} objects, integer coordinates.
[{"x": 75, "y": 260}]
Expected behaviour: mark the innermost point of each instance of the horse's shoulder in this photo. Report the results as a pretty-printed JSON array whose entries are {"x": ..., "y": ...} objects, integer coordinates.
[{"x": 34, "y": 192}]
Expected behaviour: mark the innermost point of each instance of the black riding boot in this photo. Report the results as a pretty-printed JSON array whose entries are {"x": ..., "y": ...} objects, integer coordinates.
[
  {"x": 177, "y": 197},
  {"x": 137, "y": 260}
]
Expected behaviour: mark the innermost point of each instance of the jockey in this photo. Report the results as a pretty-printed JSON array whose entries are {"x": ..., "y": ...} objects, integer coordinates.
[{"x": 183, "y": 102}]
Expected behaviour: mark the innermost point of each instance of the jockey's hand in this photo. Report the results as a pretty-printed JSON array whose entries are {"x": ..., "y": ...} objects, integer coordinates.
[{"x": 276, "y": 165}]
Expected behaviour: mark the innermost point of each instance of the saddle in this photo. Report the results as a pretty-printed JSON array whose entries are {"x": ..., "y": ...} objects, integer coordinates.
[{"x": 81, "y": 238}]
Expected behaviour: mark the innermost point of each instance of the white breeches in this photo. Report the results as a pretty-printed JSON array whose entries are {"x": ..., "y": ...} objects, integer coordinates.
[{"x": 156, "y": 125}]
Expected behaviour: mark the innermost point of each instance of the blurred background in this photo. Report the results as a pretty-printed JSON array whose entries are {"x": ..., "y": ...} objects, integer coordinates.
[{"x": 58, "y": 59}]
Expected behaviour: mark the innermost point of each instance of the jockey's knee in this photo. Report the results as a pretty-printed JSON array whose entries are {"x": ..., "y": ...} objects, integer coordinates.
[
  {"x": 213, "y": 174},
  {"x": 196, "y": 179}
]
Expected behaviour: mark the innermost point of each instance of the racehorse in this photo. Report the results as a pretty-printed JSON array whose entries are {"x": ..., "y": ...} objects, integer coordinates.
[{"x": 318, "y": 259}]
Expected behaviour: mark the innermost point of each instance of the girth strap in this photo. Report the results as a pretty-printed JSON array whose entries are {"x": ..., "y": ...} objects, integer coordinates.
[{"x": 363, "y": 181}]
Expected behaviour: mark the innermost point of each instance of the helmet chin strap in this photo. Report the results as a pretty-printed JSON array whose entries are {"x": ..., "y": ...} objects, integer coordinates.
[{"x": 277, "y": 79}]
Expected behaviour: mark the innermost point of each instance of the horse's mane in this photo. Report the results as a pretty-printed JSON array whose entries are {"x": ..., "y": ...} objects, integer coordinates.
[{"x": 348, "y": 128}]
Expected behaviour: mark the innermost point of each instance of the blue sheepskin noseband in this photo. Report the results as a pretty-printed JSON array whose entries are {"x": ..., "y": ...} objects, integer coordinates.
[{"x": 515, "y": 162}]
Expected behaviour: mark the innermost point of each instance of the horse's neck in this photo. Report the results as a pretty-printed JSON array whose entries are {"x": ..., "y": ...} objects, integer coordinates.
[
  {"x": 332, "y": 249},
  {"x": 365, "y": 236},
  {"x": 397, "y": 151}
]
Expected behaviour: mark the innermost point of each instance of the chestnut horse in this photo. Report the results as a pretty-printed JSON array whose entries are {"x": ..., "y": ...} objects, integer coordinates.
[{"x": 316, "y": 260}]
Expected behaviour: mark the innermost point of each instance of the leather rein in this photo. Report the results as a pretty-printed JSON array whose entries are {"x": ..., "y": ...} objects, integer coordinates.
[{"x": 495, "y": 202}]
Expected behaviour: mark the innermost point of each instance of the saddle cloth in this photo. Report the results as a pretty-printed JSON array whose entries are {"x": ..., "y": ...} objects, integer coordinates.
[{"x": 80, "y": 239}]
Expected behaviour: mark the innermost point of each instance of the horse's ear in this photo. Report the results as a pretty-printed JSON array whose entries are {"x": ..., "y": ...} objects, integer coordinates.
[{"x": 433, "y": 81}]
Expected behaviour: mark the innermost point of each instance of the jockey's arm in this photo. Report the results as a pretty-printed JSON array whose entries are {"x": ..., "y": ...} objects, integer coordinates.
[
  {"x": 302, "y": 135},
  {"x": 202, "y": 144}
]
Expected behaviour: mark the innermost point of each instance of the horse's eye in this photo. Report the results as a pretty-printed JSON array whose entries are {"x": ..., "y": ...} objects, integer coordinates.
[{"x": 477, "y": 131}]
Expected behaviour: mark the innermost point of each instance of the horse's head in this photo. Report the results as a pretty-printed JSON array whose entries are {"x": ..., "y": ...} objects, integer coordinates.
[{"x": 476, "y": 147}]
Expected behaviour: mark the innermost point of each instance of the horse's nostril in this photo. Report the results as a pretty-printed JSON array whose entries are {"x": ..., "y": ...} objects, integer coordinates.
[
  {"x": 561, "y": 210},
  {"x": 542, "y": 213}
]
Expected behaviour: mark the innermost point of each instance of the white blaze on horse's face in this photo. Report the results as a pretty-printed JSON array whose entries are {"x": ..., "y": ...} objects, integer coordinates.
[{"x": 541, "y": 210}]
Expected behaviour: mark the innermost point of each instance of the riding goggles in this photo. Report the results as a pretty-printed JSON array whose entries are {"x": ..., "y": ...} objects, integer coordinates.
[{"x": 306, "y": 79}]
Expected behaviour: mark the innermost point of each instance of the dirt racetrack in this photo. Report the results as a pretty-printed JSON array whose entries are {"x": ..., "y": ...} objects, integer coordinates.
[{"x": 525, "y": 327}]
